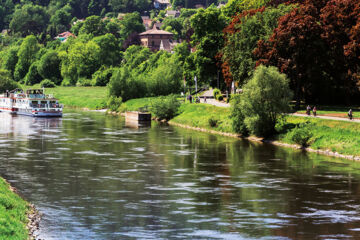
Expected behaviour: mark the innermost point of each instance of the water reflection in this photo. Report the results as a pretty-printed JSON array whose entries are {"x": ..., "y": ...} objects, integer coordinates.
[{"x": 95, "y": 178}]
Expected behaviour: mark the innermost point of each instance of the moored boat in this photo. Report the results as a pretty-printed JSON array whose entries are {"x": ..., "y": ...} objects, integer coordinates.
[{"x": 32, "y": 102}]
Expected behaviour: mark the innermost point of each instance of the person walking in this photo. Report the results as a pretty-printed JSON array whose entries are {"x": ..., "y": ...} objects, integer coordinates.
[
  {"x": 314, "y": 111},
  {"x": 350, "y": 114},
  {"x": 204, "y": 99},
  {"x": 308, "y": 110}
]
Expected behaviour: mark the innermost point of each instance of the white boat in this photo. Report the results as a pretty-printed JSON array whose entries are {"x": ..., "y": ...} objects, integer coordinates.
[{"x": 32, "y": 102}]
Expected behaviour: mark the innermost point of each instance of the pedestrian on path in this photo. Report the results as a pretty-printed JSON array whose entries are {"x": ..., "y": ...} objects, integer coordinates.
[
  {"x": 308, "y": 110},
  {"x": 314, "y": 111},
  {"x": 350, "y": 114},
  {"x": 204, "y": 99}
]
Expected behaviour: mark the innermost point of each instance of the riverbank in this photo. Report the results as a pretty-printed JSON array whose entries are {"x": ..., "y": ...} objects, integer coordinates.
[
  {"x": 330, "y": 137},
  {"x": 18, "y": 218}
]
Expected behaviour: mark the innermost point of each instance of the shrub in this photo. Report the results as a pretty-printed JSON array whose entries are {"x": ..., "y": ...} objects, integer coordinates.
[
  {"x": 219, "y": 97},
  {"x": 114, "y": 103},
  {"x": 165, "y": 107},
  {"x": 102, "y": 76},
  {"x": 264, "y": 99},
  {"x": 83, "y": 82},
  {"x": 47, "y": 84},
  {"x": 301, "y": 135},
  {"x": 216, "y": 92},
  {"x": 213, "y": 122}
]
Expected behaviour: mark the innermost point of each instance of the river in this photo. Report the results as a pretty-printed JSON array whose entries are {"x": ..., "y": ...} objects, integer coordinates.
[{"x": 93, "y": 177}]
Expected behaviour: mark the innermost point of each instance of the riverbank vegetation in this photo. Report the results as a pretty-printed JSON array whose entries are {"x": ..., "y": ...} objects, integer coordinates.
[{"x": 13, "y": 214}]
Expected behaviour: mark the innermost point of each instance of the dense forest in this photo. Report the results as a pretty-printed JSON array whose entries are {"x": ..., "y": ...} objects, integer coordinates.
[{"x": 316, "y": 43}]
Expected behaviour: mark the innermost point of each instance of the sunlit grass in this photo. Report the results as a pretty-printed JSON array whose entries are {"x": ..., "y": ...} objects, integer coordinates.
[
  {"x": 13, "y": 211},
  {"x": 80, "y": 97}
]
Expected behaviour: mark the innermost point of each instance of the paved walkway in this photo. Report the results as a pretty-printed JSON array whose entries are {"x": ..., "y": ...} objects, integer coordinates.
[{"x": 326, "y": 117}]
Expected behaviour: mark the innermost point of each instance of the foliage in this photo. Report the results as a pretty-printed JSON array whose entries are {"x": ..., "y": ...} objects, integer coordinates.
[
  {"x": 311, "y": 46},
  {"x": 29, "y": 19},
  {"x": 241, "y": 37},
  {"x": 301, "y": 135},
  {"x": 114, "y": 103},
  {"x": 216, "y": 92},
  {"x": 49, "y": 66},
  {"x": 165, "y": 107},
  {"x": 26, "y": 56},
  {"x": 102, "y": 76},
  {"x": 46, "y": 83},
  {"x": 6, "y": 81},
  {"x": 207, "y": 38},
  {"x": 238, "y": 116},
  {"x": 213, "y": 121},
  {"x": 265, "y": 97},
  {"x": 10, "y": 59},
  {"x": 33, "y": 77}
]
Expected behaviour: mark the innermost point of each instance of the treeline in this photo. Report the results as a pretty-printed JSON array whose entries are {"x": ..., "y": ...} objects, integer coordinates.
[{"x": 316, "y": 43}]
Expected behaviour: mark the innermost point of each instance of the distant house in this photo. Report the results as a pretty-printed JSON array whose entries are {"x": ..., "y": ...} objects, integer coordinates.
[
  {"x": 64, "y": 36},
  {"x": 161, "y": 4},
  {"x": 156, "y": 39},
  {"x": 172, "y": 13}
]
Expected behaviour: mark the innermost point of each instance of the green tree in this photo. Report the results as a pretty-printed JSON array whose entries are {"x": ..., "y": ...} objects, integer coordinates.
[
  {"x": 10, "y": 59},
  {"x": 208, "y": 40},
  {"x": 242, "y": 36},
  {"x": 49, "y": 66},
  {"x": 110, "y": 54},
  {"x": 60, "y": 21},
  {"x": 131, "y": 23},
  {"x": 33, "y": 76},
  {"x": 26, "y": 56},
  {"x": 93, "y": 25},
  {"x": 6, "y": 81},
  {"x": 265, "y": 97},
  {"x": 29, "y": 19},
  {"x": 129, "y": 5}
]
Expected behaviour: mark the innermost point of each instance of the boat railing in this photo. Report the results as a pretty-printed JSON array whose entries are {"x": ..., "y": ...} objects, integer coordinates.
[{"x": 55, "y": 105}]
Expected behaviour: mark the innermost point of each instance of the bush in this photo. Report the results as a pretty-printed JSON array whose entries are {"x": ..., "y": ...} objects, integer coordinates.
[
  {"x": 301, "y": 135},
  {"x": 213, "y": 122},
  {"x": 219, "y": 97},
  {"x": 102, "y": 76},
  {"x": 47, "y": 84},
  {"x": 216, "y": 92},
  {"x": 114, "y": 103},
  {"x": 264, "y": 99},
  {"x": 83, "y": 82},
  {"x": 165, "y": 107}
]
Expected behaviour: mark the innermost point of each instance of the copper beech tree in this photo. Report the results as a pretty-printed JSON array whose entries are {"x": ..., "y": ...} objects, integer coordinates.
[{"x": 317, "y": 46}]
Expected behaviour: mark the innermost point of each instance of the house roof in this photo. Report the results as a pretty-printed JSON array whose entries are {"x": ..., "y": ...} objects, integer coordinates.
[{"x": 155, "y": 31}]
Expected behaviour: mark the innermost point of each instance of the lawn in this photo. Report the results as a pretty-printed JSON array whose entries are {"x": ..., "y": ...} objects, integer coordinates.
[
  {"x": 337, "y": 136},
  {"x": 198, "y": 115},
  {"x": 13, "y": 210},
  {"x": 80, "y": 97}
]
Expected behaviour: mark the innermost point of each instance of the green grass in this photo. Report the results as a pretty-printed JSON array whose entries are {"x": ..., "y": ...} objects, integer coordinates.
[
  {"x": 80, "y": 97},
  {"x": 13, "y": 211},
  {"x": 135, "y": 104},
  {"x": 338, "y": 136},
  {"x": 198, "y": 115}
]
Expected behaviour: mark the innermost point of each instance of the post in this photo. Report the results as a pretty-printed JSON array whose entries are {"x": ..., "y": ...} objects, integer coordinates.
[
  {"x": 195, "y": 79},
  {"x": 218, "y": 80}
]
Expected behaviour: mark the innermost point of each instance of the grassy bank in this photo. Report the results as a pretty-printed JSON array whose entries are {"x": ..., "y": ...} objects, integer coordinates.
[
  {"x": 337, "y": 136},
  {"x": 80, "y": 97},
  {"x": 13, "y": 210}
]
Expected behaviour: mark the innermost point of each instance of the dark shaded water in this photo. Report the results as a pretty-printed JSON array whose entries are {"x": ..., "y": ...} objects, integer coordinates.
[{"x": 94, "y": 178}]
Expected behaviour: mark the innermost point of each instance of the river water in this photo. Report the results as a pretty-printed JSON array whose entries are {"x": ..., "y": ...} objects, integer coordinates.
[{"x": 93, "y": 177}]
